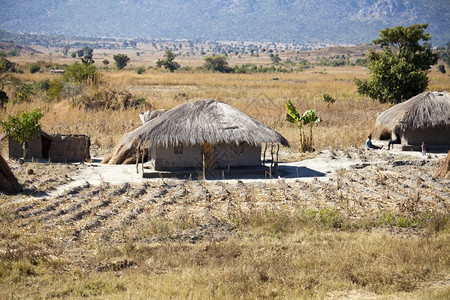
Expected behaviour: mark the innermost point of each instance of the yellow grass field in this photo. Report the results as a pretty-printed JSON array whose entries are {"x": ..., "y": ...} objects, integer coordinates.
[{"x": 346, "y": 122}]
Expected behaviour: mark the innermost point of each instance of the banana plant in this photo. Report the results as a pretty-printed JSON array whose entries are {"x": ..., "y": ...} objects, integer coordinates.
[{"x": 309, "y": 117}]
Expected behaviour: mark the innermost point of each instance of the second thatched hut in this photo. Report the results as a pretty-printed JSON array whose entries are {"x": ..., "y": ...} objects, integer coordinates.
[
  {"x": 423, "y": 118},
  {"x": 206, "y": 133}
]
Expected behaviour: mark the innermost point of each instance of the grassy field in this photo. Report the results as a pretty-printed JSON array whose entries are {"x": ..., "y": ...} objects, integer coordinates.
[{"x": 201, "y": 240}]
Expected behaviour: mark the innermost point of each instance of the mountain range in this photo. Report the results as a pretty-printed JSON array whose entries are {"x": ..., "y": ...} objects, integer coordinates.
[{"x": 329, "y": 22}]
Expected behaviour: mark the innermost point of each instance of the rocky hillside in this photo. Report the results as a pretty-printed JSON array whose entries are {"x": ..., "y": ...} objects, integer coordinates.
[{"x": 299, "y": 21}]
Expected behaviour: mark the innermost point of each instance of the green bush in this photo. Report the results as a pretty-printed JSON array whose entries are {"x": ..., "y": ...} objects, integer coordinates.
[
  {"x": 82, "y": 73},
  {"x": 34, "y": 68},
  {"x": 140, "y": 70},
  {"x": 54, "y": 90},
  {"x": 43, "y": 85}
]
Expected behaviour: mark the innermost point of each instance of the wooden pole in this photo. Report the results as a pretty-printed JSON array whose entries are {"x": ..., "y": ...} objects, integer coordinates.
[
  {"x": 143, "y": 154},
  {"x": 137, "y": 157},
  {"x": 264, "y": 157},
  {"x": 203, "y": 166}
]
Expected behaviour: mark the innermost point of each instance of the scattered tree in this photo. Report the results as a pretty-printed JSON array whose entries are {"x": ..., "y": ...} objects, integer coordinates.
[
  {"x": 65, "y": 49},
  {"x": 217, "y": 63},
  {"x": 87, "y": 56},
  {"x": 275, "y": 58},
  {"x": 441, "y": 69},
  {"x": 399, "y": 71},
  {"x": 106, "y": 62},
  {"x": 168, "y": 61},
  {"x": 23, "y": 127},
  {"x": 121, "y": 61},
  {"x": 308, "y": 118}
]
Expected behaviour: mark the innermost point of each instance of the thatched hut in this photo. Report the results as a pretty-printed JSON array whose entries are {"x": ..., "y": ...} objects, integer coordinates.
[
  {"x": 423, "y": 118},
  {"x": 205, "y": 133},
  {"x": 8, "y": 182}
]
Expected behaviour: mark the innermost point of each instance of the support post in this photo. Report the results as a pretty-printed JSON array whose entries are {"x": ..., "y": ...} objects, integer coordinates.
[
  {"x": 137, "y": 157},
  {"x": 264, "y": 156}
]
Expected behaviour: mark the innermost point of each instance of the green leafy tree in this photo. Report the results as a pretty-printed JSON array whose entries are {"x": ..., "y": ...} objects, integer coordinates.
[
  {"x": 168, "y": 62},
  {"x": 399, "y": 71},
  {"x": 441, "y": 69},
  {"x": 23, "y": 127},
  {"x": 275, "y": 58},
  {"x": 217, "y": 63},
  {"x": 65, "y": 49},
  {"x": 88, "y": 53},
  {"x": 121, "y": 61},
  {"x": 308, "y": 118}
]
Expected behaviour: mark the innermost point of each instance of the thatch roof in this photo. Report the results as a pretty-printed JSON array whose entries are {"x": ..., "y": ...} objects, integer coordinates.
[
  {"x": 8, "y": 182},
  {"x": 204, "y": 121},
  {"x": 426, "y": 110}
]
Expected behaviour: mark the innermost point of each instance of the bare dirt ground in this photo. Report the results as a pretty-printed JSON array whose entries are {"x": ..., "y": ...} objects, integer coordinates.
[{"x": 358, "y": 182}]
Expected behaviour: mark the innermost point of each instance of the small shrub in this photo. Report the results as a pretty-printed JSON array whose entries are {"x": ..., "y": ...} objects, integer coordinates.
[
  {"x": 43, "y": 85},
  {"x": 3, "y": 99},
  {"x": 140, "y": 70},
  {"x": 328, "y": 99},
  {"x": 54, "y": 90},
  {"x": 34, "y": 68}
]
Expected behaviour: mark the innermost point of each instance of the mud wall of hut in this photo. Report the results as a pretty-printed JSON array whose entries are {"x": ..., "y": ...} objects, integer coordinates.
[
  {"x": 35, "y": 148},
  {"x": 242, "y": 155},
  {"x": 56, "y": 148},
  {"x": 192, "y": 157},
  {"x": 431, "y": 136},
  {"x": 69, "y": 148},
  {"x": 176, "y": 157}
]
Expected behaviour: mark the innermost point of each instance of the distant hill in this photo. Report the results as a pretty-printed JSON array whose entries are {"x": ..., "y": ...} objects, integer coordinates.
[
  {"x": 7, "y": 47},
  {"x": 299, "y": 21}
]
